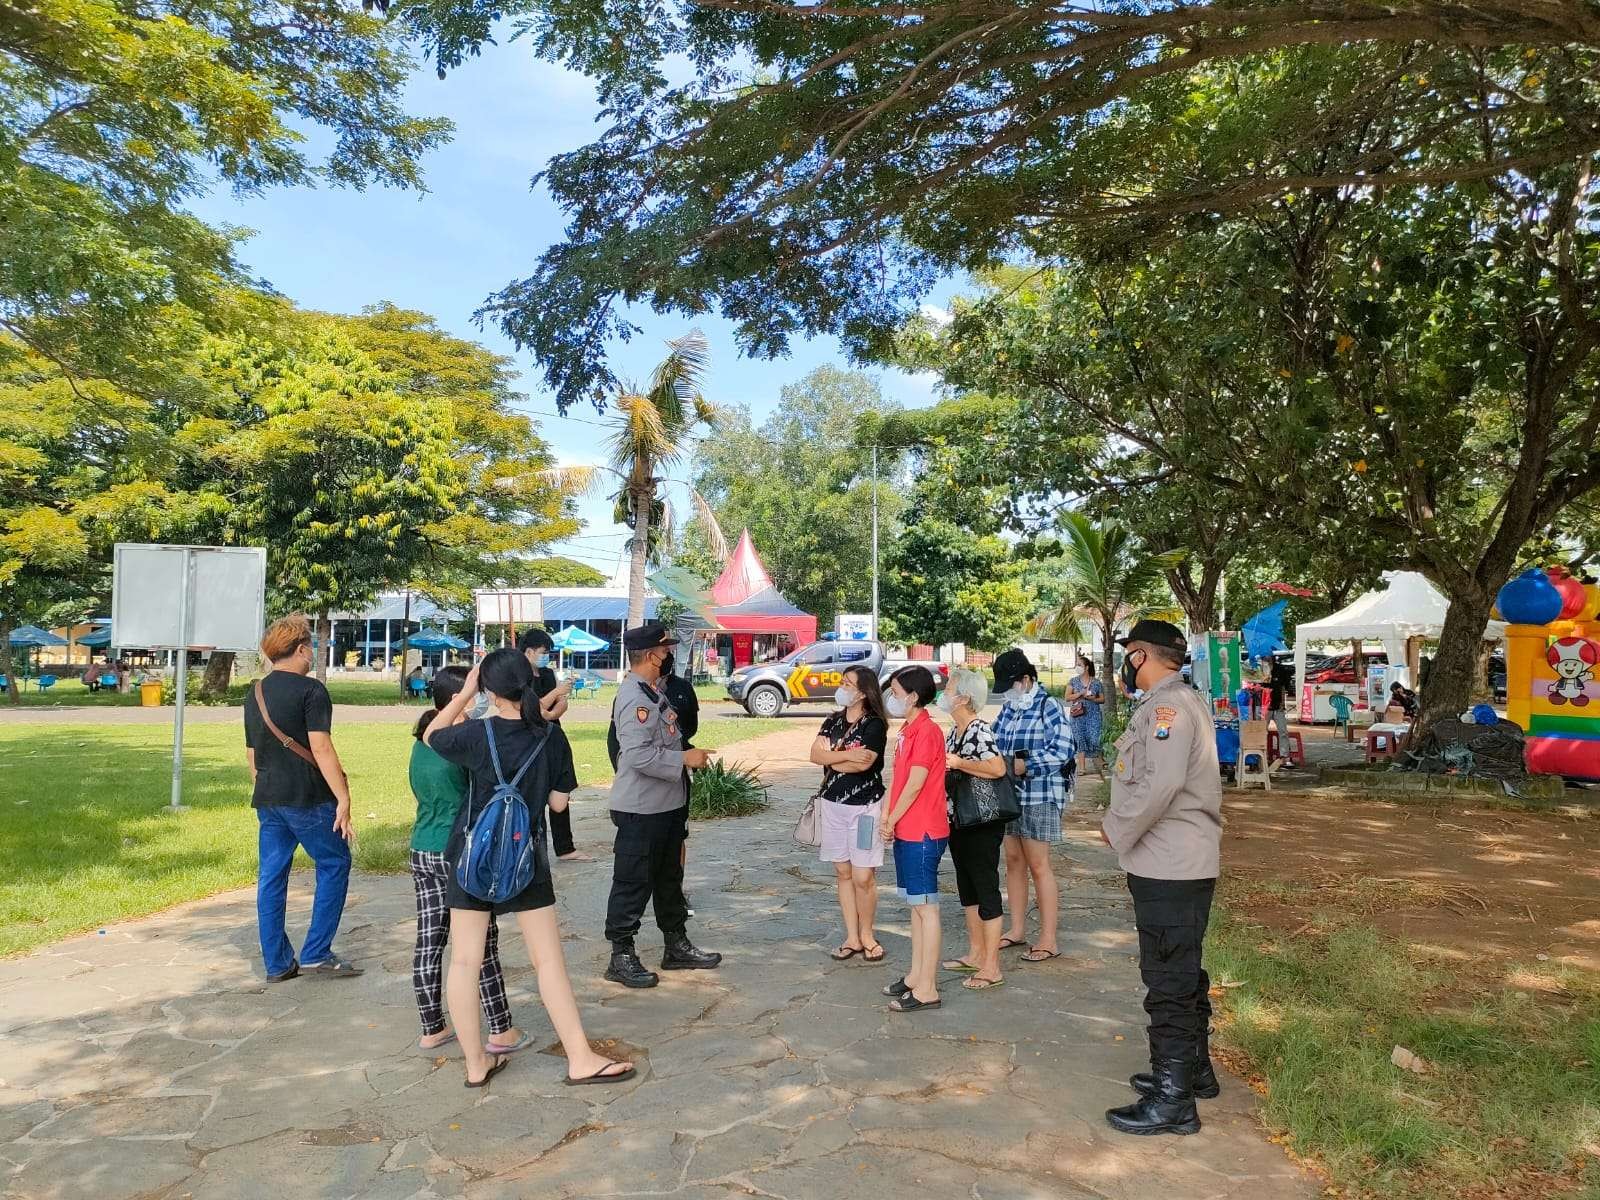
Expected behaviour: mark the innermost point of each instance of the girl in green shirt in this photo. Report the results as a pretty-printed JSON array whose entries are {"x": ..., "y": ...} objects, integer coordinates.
[{"x": 440, "y": 787}]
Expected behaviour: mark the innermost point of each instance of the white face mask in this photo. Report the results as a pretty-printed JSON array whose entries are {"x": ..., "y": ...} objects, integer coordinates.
[
  {"x": 845, "y": 697},
  {"x": 947, "y": 700},
  {"x": 1020, "y": 696},
  {"x": 897, "y": 706}
]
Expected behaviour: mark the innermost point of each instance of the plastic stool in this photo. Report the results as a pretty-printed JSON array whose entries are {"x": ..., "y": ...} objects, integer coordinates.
[
  {"x": 1381, "y": 745},
  {"x": 1297, "y": 750}
]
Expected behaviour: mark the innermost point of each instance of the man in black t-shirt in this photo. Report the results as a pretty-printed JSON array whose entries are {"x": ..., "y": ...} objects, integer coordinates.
[
  {"x": 538, "y": 646},
  {"x": 301, "y": 798}
]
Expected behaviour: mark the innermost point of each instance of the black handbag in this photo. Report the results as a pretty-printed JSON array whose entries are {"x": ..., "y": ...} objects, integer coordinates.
[{"x": 975, "y": 801}]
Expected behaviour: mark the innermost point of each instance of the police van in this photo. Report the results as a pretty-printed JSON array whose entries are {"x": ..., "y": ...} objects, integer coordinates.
[{"x": 811, "y": 674}]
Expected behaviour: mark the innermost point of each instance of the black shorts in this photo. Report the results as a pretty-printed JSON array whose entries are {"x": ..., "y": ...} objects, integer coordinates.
[{"x": 541, "y": 893}]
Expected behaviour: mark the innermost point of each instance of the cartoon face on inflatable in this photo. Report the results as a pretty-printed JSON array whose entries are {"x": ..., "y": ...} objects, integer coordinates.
[{"x": 1573, "y": 660}]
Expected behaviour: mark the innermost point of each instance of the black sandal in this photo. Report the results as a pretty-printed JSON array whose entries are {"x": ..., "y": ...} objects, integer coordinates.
[
  {"x": 846, "y": 953},
  {"x": 909, "y": 1003},
  {"x": 604, "y": 1075},
  {"x": 494, "y": 1069},
  {"x": 898, "y": 988}
]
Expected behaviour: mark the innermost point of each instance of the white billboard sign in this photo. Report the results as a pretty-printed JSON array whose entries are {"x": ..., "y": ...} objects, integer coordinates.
[
  {"x": 854, "y": 626},
  {"x": 519, "y": 607},
  {"x": 221, "y": 590}
]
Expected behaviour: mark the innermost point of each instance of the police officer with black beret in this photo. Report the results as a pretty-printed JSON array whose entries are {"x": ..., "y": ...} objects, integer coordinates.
[
  {"x": 650, "y": 808},
  {"x": 1165, "y": 823}
]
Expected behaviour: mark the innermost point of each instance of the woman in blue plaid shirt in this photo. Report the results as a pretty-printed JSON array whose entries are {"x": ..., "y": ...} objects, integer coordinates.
[{"x": 1036, "y": 739}]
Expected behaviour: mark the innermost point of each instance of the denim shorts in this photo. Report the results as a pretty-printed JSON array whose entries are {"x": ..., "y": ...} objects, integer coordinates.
[{"x": 916, "y": 868}]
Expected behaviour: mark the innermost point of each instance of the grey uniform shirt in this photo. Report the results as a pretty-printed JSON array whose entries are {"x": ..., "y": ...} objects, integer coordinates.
[
  {"x": 1165, "y": 819},
  {"x": 649, "y": 751}
]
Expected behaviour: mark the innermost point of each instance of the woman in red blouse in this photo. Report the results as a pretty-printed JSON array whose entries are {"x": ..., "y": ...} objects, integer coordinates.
[{"x": 919, "y": 825}]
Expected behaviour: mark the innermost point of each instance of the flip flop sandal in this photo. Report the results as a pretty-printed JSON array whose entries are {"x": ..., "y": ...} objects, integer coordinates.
[
  {"x": 982, "y": 985},
  {"x": 897, "y": 989},
  {"x": 495, "y": 1069},
  {"x": 522, "y": 1044},
  {"x": 868, "y": 955},
  {"x": 955, "y": 964},
  {"x": 604, "y": 1075},
  {"x": 845, "y": 953},
  {"x": 1038, "y": 956},
  {"x": 909, "y": 1003},
  {"x": 438, "y": 1045},
  {"x": 1011, "y": 943}
]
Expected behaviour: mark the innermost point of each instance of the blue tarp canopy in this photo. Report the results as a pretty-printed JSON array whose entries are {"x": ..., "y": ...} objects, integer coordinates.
[
  {"x": 598, "y": 607},
  {"x": 1263, "y": 633},
  {"x": 32, "y": 635}
]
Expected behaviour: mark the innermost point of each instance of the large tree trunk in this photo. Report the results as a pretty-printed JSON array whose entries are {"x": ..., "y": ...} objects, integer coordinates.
[
  {"x": 1108, "y": 631},
  {"x": 8, "y": 665},
  {"x": 219, "y": 673},
  {"x": 324, "y": 632},
  {"x": 1450, "y": 681},
  {"x": 641, "y": 550}
]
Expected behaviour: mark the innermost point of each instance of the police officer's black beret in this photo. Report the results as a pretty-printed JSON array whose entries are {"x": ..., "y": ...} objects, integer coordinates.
[
  {"x": 648, "y": 636},
  {"x": 1157, "y": 633}
]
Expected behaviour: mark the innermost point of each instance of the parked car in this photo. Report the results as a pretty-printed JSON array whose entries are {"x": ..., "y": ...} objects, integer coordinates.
[
  {"x": 811, "y": 674},
  {"x": 1343, "y": 668}
]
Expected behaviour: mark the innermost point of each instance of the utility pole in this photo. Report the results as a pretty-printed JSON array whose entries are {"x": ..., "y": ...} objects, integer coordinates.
[{"x": 874, "y": 543}]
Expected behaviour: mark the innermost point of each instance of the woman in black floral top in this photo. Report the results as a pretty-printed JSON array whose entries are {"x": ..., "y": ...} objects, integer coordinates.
[
  {"x": 975, "y": 849},
  {"x": 849, "y": 749}
]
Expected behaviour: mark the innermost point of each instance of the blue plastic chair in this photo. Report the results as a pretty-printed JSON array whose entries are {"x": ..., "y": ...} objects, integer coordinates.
[
  {"x": 587, "y": 683},
  {"x": 417, "y": 688},
  {"x": 108, "y": 681},
  {"x": 46, "y": 682},
  {"x": 1341, "y": 705}
]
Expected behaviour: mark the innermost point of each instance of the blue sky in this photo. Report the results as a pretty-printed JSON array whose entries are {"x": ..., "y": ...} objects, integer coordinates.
[{"x": 479, "y": 226}]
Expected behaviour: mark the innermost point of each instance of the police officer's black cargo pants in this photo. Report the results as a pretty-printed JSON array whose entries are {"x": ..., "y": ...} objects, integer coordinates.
[
  {"x": 1171, "y": 915},
  {"x": 648, "y": 867}
]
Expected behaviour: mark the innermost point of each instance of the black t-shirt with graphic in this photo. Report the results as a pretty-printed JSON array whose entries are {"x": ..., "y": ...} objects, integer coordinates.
[
  {"x": 843, "y": 787},
  {"x": 299, "y": 706}
]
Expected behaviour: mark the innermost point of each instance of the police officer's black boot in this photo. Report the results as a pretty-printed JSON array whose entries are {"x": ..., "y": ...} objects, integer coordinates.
[
  {"x": 626, "y": 968},
  {"x": 1169, "y": 1109},
  {"x": 682, "y": 955},
  {"x": 1206, "y": 1084}
]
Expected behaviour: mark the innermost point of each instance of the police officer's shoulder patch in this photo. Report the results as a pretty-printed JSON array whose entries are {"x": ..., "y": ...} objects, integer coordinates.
[
  {"x": 1163, "y": 713},
  {"x": 1164, "y": 718},
  {"x": 642, "y": 713}
]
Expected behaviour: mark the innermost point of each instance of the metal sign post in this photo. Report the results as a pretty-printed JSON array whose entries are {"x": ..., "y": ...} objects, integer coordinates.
[{"x": 184, "y": 598}]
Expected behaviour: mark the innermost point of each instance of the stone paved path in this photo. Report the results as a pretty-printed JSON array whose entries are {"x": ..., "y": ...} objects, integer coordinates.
[{"x": 152, "y": 1061}]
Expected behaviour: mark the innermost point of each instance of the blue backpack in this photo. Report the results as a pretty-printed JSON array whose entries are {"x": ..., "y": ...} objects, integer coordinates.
[{"x": 501, "y": 854}]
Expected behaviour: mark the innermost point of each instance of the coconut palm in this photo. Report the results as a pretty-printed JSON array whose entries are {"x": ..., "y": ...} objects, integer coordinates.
[
  {"x": 651, "y": 434},
  {"x": 1109, "y": 576}
]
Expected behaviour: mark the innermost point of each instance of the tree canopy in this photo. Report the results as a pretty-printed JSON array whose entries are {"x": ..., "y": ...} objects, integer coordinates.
[
  {"x": 826, "y": 162},
  {"x": 114, "y": 115}
]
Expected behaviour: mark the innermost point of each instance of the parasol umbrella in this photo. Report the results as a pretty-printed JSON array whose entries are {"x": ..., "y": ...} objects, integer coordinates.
[
  {"x": 433, "y": 639},
  {"x": 100, "y": 637},
  {"x": 576, "y": 640}
]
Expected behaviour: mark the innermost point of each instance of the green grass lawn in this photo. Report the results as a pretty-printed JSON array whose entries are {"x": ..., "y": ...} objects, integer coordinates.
[
  {"x": 1509, "y": 1106},
  {"x": 84, "y": 839}
]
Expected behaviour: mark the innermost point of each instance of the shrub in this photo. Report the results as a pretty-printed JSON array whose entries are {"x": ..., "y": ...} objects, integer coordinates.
[{"x": 726, "y": 790}]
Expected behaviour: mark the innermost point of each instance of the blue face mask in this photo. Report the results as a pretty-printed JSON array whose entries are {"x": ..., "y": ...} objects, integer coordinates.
[{"x": 542, "y": 659}]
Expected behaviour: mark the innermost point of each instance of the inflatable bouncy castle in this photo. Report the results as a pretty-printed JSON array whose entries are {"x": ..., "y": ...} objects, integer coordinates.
[{"x": 1552, "y": 665}]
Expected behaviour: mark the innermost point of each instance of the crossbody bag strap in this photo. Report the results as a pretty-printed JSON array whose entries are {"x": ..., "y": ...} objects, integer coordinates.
[{"x": 287, "y": 742}]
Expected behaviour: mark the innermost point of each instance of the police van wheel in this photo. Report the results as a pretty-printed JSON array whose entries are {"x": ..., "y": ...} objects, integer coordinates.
[{"x": 764, "y": 702}]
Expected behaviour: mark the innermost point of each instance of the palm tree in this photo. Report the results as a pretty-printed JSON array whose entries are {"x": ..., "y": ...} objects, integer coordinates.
[
  {"x": 1109, "y": 575},
  {"x": 651, "y": 434}
]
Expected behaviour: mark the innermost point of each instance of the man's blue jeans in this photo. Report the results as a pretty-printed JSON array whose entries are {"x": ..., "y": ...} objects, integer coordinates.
[{"x": 282, "y": 829}]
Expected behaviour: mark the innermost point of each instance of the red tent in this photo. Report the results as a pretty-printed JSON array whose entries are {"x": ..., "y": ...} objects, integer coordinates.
[{"x": 747, "y": 603}]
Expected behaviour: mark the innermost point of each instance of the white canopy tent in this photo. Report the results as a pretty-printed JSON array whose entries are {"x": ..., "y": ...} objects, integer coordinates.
[{"x": 1407, "y": 607}]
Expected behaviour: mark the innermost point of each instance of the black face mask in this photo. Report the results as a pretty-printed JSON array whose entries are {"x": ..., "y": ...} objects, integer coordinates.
[
  {"x": 669, "y": 665},
  {"x": 1130, "y": 672}
]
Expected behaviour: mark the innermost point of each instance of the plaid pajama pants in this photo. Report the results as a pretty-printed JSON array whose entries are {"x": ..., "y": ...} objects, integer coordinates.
[{"x": 429, "y": 873}]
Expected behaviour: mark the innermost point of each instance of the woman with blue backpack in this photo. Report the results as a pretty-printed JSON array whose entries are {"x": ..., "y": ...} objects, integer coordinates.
[{"x": 498, "y": 862}]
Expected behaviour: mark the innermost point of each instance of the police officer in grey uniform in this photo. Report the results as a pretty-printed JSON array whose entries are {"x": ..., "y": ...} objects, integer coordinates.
[
  {"x": 650, "y": 808},
  {"x": 1165, "y": 823}
]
